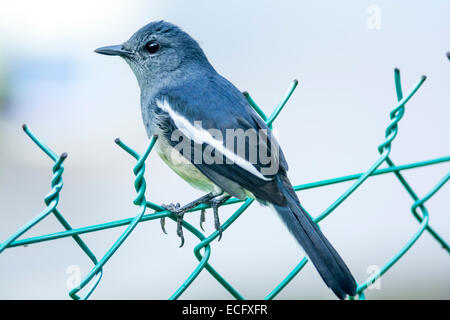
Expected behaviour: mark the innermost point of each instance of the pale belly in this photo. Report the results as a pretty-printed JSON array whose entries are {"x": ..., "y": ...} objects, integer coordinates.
[
  {"x": 184, "y": 168},
  {"x": 188, "y": 172}
]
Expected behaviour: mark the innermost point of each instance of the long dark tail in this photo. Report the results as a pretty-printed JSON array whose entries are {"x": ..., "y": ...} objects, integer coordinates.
[{"x": 330, "y": 265}]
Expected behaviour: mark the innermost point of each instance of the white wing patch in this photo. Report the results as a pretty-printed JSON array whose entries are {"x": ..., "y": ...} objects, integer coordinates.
[{"x": 199, "y": 135}]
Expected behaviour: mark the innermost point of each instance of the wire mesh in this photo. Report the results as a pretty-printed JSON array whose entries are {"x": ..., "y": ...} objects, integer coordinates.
[{"x": 202, "y": 250}]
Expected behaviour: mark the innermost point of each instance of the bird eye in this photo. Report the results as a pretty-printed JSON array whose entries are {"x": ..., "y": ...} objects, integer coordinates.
[{"x": 152, "y": 46}]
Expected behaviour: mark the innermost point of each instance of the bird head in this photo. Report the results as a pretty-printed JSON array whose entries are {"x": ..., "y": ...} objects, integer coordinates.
[{"x": 158, "y": 51}]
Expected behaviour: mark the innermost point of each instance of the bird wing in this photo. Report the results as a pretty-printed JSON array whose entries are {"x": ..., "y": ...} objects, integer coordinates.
[{"x": 213, "y": 126}]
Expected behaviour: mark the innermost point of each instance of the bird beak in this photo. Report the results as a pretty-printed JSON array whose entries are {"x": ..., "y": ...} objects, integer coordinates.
[{"x": 117, "y": 50}]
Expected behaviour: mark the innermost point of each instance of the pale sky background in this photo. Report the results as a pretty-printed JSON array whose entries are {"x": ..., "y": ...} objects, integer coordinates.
[{"x": 77, "y": 101}]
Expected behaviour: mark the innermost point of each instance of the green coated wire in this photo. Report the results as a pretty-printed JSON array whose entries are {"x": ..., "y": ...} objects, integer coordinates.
[
  {"x": 163, "y": 213},
  {"x": 418, "y": 203},
  {"x": 255, "y": 106},
  {"x": 281, "y": 105},
  {"x": 204, "y": 259},
  {"x": 385, "y": 148},
  {"x": 51, "y": 200},
  {"x": 140, "y": 187},
  {"x": 202, "y": 251},
  {"x": 409, "y": 244},
  {"x": 398, "y": 88}
]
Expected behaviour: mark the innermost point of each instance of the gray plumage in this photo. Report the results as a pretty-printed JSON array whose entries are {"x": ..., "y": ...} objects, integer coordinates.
[{"x": 179, "y": 87}]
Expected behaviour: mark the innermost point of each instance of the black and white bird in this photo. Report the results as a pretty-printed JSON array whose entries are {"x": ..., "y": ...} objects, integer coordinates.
[{"x": 206, "y": 133}]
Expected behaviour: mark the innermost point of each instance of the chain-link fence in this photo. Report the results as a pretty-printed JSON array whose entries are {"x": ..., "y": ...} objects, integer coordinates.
[{"x": 202, "y": 250}]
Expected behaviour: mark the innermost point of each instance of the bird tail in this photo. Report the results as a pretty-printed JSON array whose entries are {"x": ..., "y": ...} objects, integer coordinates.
[{"x": 327, "y": 261}]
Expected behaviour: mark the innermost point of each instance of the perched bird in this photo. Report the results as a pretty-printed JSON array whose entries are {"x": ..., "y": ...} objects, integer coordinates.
[{"x": 204, "y": 126}]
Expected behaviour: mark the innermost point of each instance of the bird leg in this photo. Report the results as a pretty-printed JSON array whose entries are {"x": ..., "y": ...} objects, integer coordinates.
[{"x": 179, "y": 212}]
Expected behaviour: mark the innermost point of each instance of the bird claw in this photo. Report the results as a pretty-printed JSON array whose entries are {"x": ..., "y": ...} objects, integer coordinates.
[
  {"x": 175, "y": 209},
  {"x": 202, "y": 218},
  {"x": 163, "y": 224},
  {"x": 178, "y": 211},
  {"x": 217, "y": 225},
  {"x": 215, "y": 203},
  {"x": 180, "y": 229}
]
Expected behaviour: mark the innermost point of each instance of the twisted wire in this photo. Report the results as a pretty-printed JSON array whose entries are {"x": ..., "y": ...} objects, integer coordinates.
[
  {"x": 52, "y": 200},
  {"x": 140, "y": 185}
]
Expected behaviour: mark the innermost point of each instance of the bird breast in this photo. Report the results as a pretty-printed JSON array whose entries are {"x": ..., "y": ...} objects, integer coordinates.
[{"x": 183, "y": 167}]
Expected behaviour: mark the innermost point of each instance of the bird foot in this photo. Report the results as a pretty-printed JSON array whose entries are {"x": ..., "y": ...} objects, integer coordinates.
[
  {"x": 215, "y": 203},
  {"x": 179, "y": 212}
]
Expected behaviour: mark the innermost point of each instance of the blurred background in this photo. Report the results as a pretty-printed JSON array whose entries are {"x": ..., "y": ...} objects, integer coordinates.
[{"x": 343, "y": 56}]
